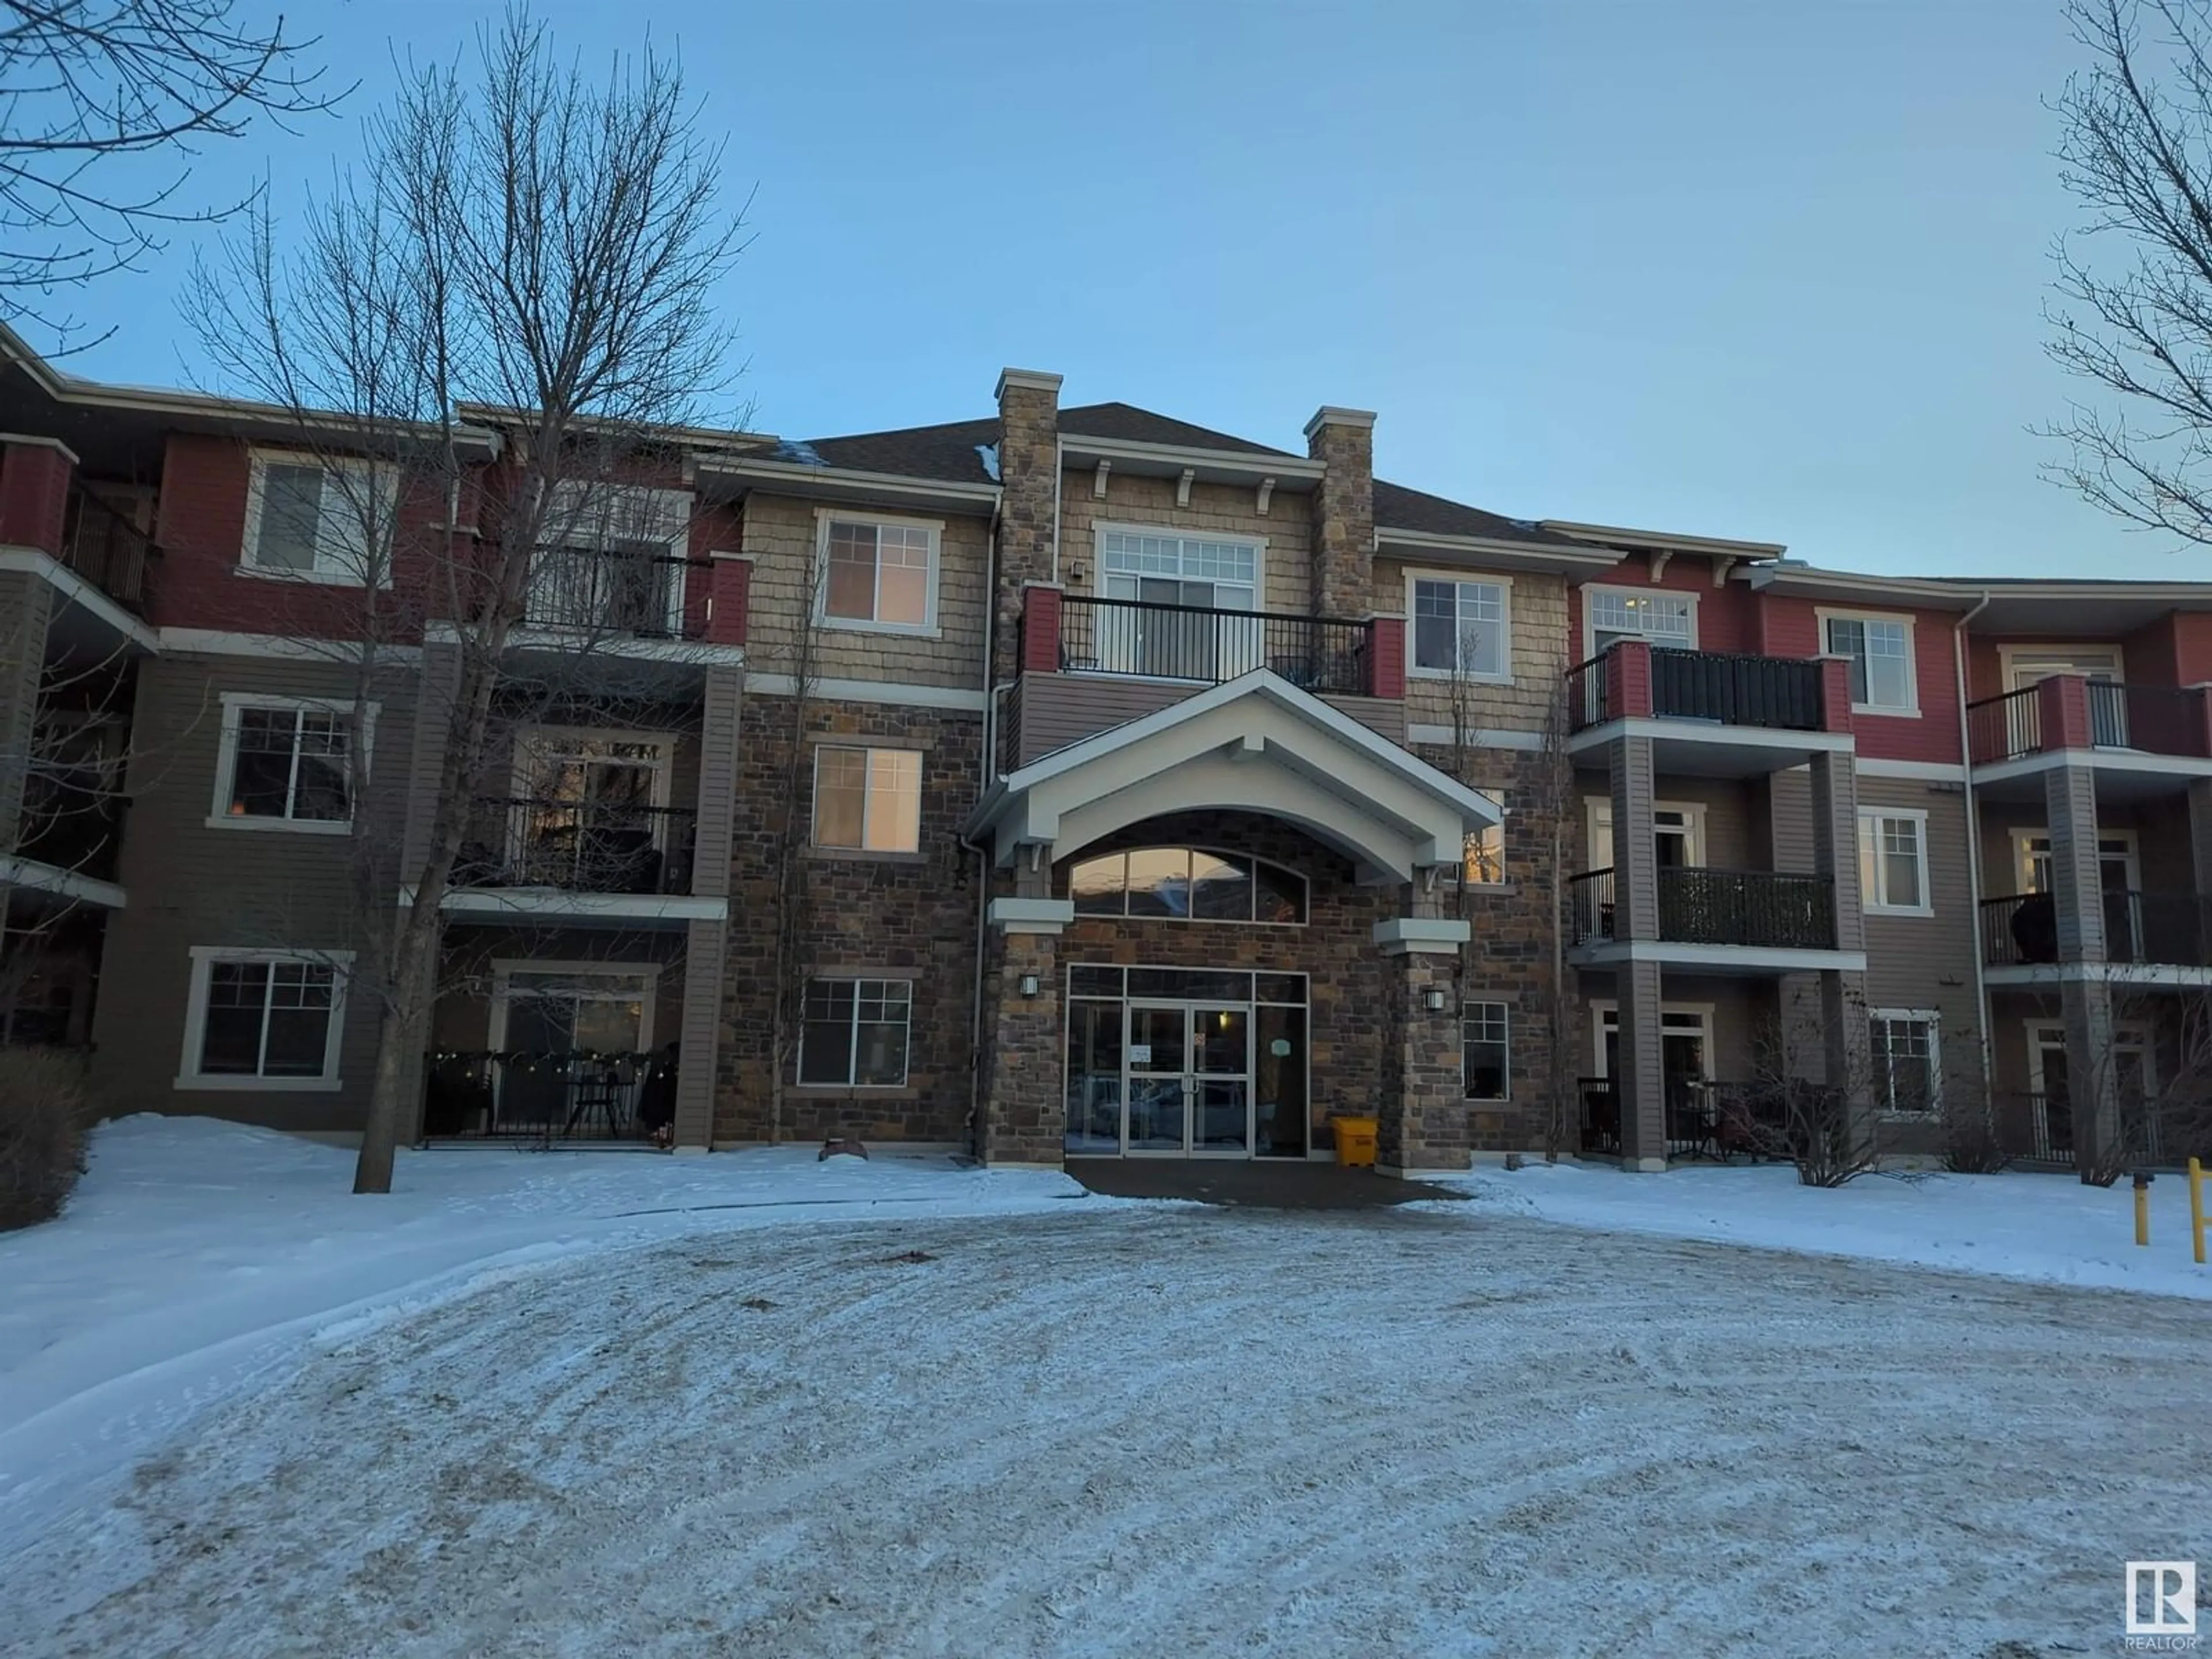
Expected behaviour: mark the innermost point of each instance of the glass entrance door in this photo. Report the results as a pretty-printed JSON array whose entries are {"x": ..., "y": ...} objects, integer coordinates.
[{"x": 1190, "y": 1086}]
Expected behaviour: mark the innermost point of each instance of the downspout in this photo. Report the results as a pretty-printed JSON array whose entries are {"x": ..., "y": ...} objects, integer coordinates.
[
  {"x": 1973, "y": 847},
  {"x": 989, "y": 775}
]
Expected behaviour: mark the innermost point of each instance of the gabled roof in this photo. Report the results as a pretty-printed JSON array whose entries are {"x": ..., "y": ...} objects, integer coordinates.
[{"x": 1397, "y": 507}]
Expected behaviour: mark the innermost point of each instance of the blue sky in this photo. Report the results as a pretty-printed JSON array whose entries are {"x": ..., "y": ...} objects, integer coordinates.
[{"x": 1725, "y": 267}]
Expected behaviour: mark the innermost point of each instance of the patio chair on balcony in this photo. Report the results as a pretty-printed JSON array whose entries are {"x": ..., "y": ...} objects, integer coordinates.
[{"x": 2035, "y": 928}]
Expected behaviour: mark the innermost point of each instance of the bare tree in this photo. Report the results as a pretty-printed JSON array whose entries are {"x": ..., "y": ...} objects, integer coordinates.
[
  {"x": 500, "y": 318},
  {"x": 2155, "y": 1077},
  {"x": 1822, "y": 1126},
  {"x": 2134, "y": 309},
  {"x": 91, "y": 91}
]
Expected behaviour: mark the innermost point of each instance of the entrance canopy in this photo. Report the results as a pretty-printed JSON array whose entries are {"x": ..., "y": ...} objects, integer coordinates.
[{"x": 1256, "y": 744}]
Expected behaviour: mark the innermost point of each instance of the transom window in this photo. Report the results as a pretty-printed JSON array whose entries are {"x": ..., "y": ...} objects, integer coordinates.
[
  {"x": 1461, "y": 628},
  {"x": 284, "y": 764},
  {"x": 1664, "y": 619},
  {"x": 856, "y": 1033},
  {"x": 318, "y": 521},
  {"x": 1903, "y": 1045},
  {"x": 1485, "y": 1064},
  {"x": 880, "y": 574},
  {"x": 1159, "y": 568},
  {"x": 1880, "y": 653},
  {"x": 264, "y": 1018},
  {"x": 1894, "y": 860},
  {"x": 868, "y": 800},
  {"x": 1187, "y": 883}
]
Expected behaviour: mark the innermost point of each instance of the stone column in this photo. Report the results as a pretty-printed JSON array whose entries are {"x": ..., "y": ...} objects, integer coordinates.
[
  {"x": 1024, "y": 1064},
  {"x": 1640, "y": 1086},
  {"x": 2085, "y": 996},
  {"x": 26, "y": 608},
  {"x": 1029, "y": 483},
  {"x": 1343, "y": 440},
  {"x": 1846, "y": 1041},
  {"x": 1421, "y": 1105}
]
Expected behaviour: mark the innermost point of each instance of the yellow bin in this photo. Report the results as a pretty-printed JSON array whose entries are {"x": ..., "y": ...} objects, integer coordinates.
[{"x": 1355, "y": 1140}]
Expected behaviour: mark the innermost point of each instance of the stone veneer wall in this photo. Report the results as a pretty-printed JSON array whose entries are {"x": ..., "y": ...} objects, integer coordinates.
[{"x": 890, "y": 915}]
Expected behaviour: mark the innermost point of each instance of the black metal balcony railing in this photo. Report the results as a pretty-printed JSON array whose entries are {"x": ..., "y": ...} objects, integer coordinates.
[
  {"x": 1725, "y": 688},
  {"x": 2157, "y": 719},
  {"x": 106, "y": 549},
  {"x": 2004, "y": 727},
  {"x": 481, "y": 1094},
  {"x": 2169, "y": 930},
  {"x": 1188, "y": 642},
  {"x": 578, "y": 847},
  {"x": 1758, "y": 909},
  {"x": 615, "y": 590},
  {"x": 1704, "y": 1118}
]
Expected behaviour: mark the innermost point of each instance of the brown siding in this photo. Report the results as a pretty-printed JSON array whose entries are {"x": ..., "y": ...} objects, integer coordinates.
[
  {"x": 1927, "y": 962},
  {"x": 1055, "y": 710},
  {"x": 1286, "y": 530}
]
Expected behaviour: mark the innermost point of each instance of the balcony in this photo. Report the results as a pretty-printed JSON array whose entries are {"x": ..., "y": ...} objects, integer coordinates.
[
  {"x": 1761, "y": 908},
  {"x": 522, "y": 1097},
  {"x": 1704, "y": 1119},
  {"x": 2147, "y": 930},
  {"x": 107, "y": 549},
  {"x": 1711, "y": 712},
  {"x": 1090, "y": 664},
  {"x": 2140, "y": 741},
  {"x": 617, "y": 591}
]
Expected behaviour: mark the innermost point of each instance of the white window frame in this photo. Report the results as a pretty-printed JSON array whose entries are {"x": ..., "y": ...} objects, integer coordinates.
[
  {"x": 503, "y": 969},
  {"x": 1822, "y": 616},
  {"x": 2023, "y": 869},
  {"x": 928, "y": 627},
  {"x": 1101, "y": 529},
  {"x": 1680, "y": 1013},
  {"x": 204, "y": 959},
  {"x": 852, "y": 1042},
  {"x": 343, "y": 570},
  {"x": 1886, "y": 1090},
  {"x": 867, "y": 791},
  {"x": 1590, "y": 590},
  {"x": 1870, "y": 825},
  {"x": 1599, "y": 809},
  {"x": 226, "y": 762},
  {"x": 1463, "y": 578},
  {"x": 1505, "y": 1013},
  {"x": 2043, "y": 661}
]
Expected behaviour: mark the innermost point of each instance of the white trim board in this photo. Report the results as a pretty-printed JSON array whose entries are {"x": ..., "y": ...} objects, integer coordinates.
[
  {"x": 76, "y": 590},
  {"x": 959, "y": 699}
]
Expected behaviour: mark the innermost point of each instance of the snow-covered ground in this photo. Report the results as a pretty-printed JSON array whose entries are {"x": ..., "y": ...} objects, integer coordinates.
[
  {"x": 2019, "y": 1226},
  {"x": 197, "y": 1256},
  {"x": 1140, "y": 1430}
]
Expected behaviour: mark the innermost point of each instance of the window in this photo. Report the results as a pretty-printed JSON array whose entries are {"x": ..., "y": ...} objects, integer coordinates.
[
  {"x": 1485, "y": 856},
  {"x": 868, "y": 800},
  {"x": 1902, "y": 1044},
  {"x": 1664, "y": 619},
  {"x": 1483, "y": 1064},
  {"x": 611, "y": 560},
  {"x": 284, "y": 764},
  {"x": 1677, "y": 834},
  {"x": 1157, "y": 567},
  {"x": 1461, "y": 628},
  {"x": 1880, "y": 653},
  {"x": 1894, "y": 860},
  {"x": 1185, "y": 883},
  {"x": 316, "y": 520},
  {"x": 856, "y": 1033},
  {"x": 878, "y": 574},
  {"x": 263, "y": 1019}
]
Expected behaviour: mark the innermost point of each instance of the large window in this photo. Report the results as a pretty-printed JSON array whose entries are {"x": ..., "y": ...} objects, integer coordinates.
[
  {"x": 284, "y": 764},
  {"x": 263, "y": 1019},
  {"x": 1185, "y": 883},
  {"x": 1894, "y": 860},
  {"x": 1462, "y": 628},
  {"x": 1903, "y": 1048},
  {"x": 316, "y": 520},
  {"x": 1162, "y": 569},
  {"x": 856, "y": 1033},
  {"x": 868, "y": 800},
  {"x": 880, "y": 574},
  {"x": 611, "y": 560},
  {"x": 1484, "y": 1066},
  {"x": 1662, "y": 618},
  {"x": 1880, "y": 650}
]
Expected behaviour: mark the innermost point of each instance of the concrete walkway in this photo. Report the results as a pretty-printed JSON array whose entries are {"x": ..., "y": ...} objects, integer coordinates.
[{"x": 1266, "y": 1184}]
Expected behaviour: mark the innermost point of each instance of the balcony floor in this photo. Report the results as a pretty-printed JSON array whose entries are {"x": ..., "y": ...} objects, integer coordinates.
[
  {"x": 1703, "y": 749},
  {"x": 1755, "y": 961}
]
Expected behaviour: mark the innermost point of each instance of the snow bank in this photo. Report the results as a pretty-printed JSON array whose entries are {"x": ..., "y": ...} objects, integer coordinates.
[
  {"x": 2016, "y": 1225},
  {"x": 198, "y": 1254}
]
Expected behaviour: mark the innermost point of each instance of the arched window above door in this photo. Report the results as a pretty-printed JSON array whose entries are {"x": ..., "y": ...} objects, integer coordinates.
[{"x": 1187, "y": 884}]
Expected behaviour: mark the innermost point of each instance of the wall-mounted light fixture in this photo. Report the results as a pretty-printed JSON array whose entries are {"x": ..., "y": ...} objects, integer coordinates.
[
  {"x": 1029, "y": 985},
  {"x": 1435, "y": 998}
]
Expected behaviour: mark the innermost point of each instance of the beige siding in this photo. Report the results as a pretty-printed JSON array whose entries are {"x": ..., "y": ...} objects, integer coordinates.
[
  {"x": 1537, "y": 610},
  {"x": 191, "y": 883},
  {"x": 1286, "y": 529},
  {"x": 1055, "y": 710},
  {"x": 783, "y": 538},
  {"x": 1927, "y": 962}
]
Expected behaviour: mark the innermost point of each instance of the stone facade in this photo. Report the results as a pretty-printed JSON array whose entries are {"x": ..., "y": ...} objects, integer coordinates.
[{"x": 1343, "y": 440}]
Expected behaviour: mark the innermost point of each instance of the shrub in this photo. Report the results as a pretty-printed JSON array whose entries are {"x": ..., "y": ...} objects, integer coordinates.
[
  {"x": 42, "y": 1114},
  {"x": 1971, "y": 1143}
]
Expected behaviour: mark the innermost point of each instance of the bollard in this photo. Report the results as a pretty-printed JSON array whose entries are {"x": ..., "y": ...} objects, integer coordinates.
[
  {"x": 2142, "y": 1208},
  {"x": 2196, "y": 1209}
]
